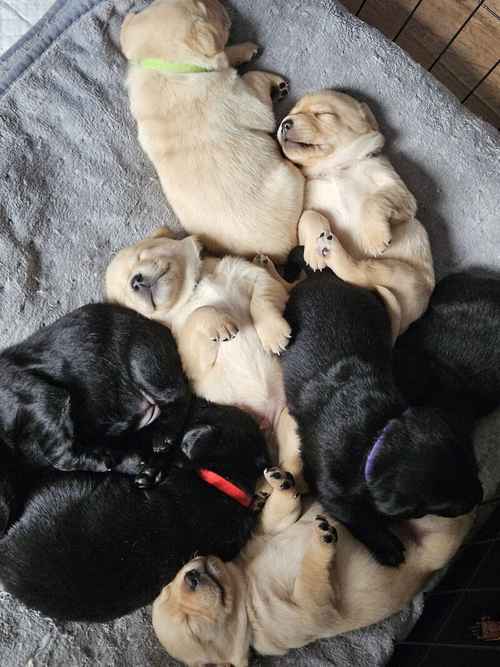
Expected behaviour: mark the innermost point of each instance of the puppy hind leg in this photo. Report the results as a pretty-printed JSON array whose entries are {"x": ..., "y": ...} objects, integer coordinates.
[
  {"x": 289, "y": 449},
  {"x": 342, "y": 263},
  {"x": 267, "y": 304},
  {"x": 237, "y": 54},
  {"x": 267, "y": 263},
  {"x": 394, "y": 310},
  {"x": 313, "y": 589},
  {"x": 267, "y": 86},
  {"x": 438, "y": 539},
  {"x": 283, "y": 507}
]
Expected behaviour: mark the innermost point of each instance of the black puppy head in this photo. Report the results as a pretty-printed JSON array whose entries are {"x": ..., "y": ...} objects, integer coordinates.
[
  {"x": 419, "y": 466},
  {"x": 228, "y": 441}
]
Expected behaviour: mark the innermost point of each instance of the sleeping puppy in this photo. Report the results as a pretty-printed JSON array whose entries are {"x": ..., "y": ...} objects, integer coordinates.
[
  {"x": 208, "y": 133},
  {"x": 94, "y": 547},
  {"x": 369, "y": 457},
  {"x": 96, "y": 390},
  {"x": 226, "y": 316},
  {"x": 451, "y": 355},
  {"x": 363, "y": 213},
  {"x": 296, "y": 581}
]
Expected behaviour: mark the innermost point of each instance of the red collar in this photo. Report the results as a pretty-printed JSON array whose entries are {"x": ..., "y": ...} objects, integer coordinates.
[{"x": 224, "y": 485}]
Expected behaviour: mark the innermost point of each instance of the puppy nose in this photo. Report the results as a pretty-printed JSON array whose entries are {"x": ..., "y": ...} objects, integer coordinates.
[
  {"x": 137, "y": 281},
  {"x": 192, "y": 578},
  {"x": 286, "y": 125}
]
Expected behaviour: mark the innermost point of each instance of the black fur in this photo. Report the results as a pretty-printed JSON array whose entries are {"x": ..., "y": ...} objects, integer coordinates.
[
  {"x": 94, "y": 547},
  {"x": 341, "y": 390},
  {"x": 451, "y": 356},
  {"x": 71, "y": 398}
]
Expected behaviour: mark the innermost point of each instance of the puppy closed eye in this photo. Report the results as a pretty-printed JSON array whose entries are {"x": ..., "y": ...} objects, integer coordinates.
[{"x": 326, "y": 115}]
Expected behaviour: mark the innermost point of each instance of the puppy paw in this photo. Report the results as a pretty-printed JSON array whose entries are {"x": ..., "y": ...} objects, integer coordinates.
[
  {"x": 249, "y": 51},
  {"x": 313, "y": 256},
  {"x": 280, "y": 89},
  {"x": 376, "y": 238},
  {"x": 131, "y": 464},
  {"x": 277, "y": 478},
  {"x": 391, "y": 553},
  {"x": 261, "y": 260},
  {"x": 326, "y": 245},
  {"x": 274, "y": 334},
  {"x": 221, "y": 328},
  {"x": 324, "y": 531},
  {"x": 152, "y": 473}
]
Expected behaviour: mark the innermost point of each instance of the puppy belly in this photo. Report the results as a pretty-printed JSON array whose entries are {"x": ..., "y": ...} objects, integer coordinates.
[{"x": 247, "y": 377}]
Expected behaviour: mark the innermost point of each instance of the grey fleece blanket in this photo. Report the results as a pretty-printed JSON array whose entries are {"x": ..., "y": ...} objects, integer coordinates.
[{"x": 75, "y": 186}]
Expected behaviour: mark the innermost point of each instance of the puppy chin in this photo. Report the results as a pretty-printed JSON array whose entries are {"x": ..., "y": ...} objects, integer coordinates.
[{"x": 302, "y": 153}]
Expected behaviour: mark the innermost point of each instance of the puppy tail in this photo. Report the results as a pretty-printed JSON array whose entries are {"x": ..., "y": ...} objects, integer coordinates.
[{"x": 295, "y": 264}]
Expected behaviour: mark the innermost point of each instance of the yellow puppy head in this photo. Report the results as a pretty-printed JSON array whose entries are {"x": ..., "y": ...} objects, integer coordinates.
[
  {"x": 321, "y": 124},
  {"x": 196, "y": 617},
  {"x": 187, "y": 31},
  {"x": 154, "y": 275}
]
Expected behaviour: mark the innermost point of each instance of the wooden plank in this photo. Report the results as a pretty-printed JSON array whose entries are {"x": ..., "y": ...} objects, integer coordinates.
[
  {"x": 472, "y": 54},
  {"x": 432, "y": 26},
  {"x": 387, "y": 15},
  {"x": 484, "y": 111},
  {"x": 485, "y": 101},
  {"x": 352, "y": 5}
]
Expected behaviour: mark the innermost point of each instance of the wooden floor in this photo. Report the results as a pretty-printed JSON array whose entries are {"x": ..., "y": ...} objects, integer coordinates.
[{"x": 457, "y": 40}]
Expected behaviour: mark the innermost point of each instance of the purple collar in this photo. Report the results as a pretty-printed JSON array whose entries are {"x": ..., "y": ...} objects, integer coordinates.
[{"x": 370, "y": 459}]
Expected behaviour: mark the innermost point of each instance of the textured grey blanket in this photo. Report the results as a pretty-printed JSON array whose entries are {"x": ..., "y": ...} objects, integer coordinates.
[{"x": 75, "y": 186}]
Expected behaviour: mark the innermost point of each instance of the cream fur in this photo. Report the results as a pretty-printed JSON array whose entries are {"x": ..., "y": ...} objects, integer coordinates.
[
  {"x": 289, "y": 587},
  {"x": 354, "y": 192},
  {"x": 209, "y": 135},
  {"x": 226, "y": 316}
]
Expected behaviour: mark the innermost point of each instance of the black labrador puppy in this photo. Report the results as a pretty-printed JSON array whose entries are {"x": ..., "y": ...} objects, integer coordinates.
[
  {"x": 93, "y": 547},
  {"x": 451, "y": 356},
  {"x": 369, "y": 456},
  {"x": 98, "y": 390}
]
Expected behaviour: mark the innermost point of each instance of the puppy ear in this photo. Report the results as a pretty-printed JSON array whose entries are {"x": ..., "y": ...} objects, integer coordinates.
[
  {"x": 162, "y": 232},
  {"x": 195, "y": 440},
  {"x": 203, "y": 39},
  {"x": 369, "y": 116},
  {"x": 125, "y": 32}
]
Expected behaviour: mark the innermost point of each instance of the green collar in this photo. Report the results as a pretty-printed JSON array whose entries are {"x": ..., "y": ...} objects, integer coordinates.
[{"x": 174, "y": 68}]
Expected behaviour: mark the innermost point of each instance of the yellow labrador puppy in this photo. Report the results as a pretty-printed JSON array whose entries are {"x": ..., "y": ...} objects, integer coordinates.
[
  {"x": 226, "y": 316},
  {"x": 362, "y": 212},
  {"x": 297, "y": 580},
  {"x": 208, "y": 131}
]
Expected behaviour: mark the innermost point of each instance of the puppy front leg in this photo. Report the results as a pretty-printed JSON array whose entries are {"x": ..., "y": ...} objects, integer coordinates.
[
  {"x": 238, "y": 54},
  {"x": 205, "y": 329},
  {"x": 313, "y": 590},
  {"x": 267, "y": 86},
  {"x": 267, "y": 303},
  {"x": 389, "y": 205},
  {"x": 312, "y": 227},
  {"x": 283, "y": 506}
]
